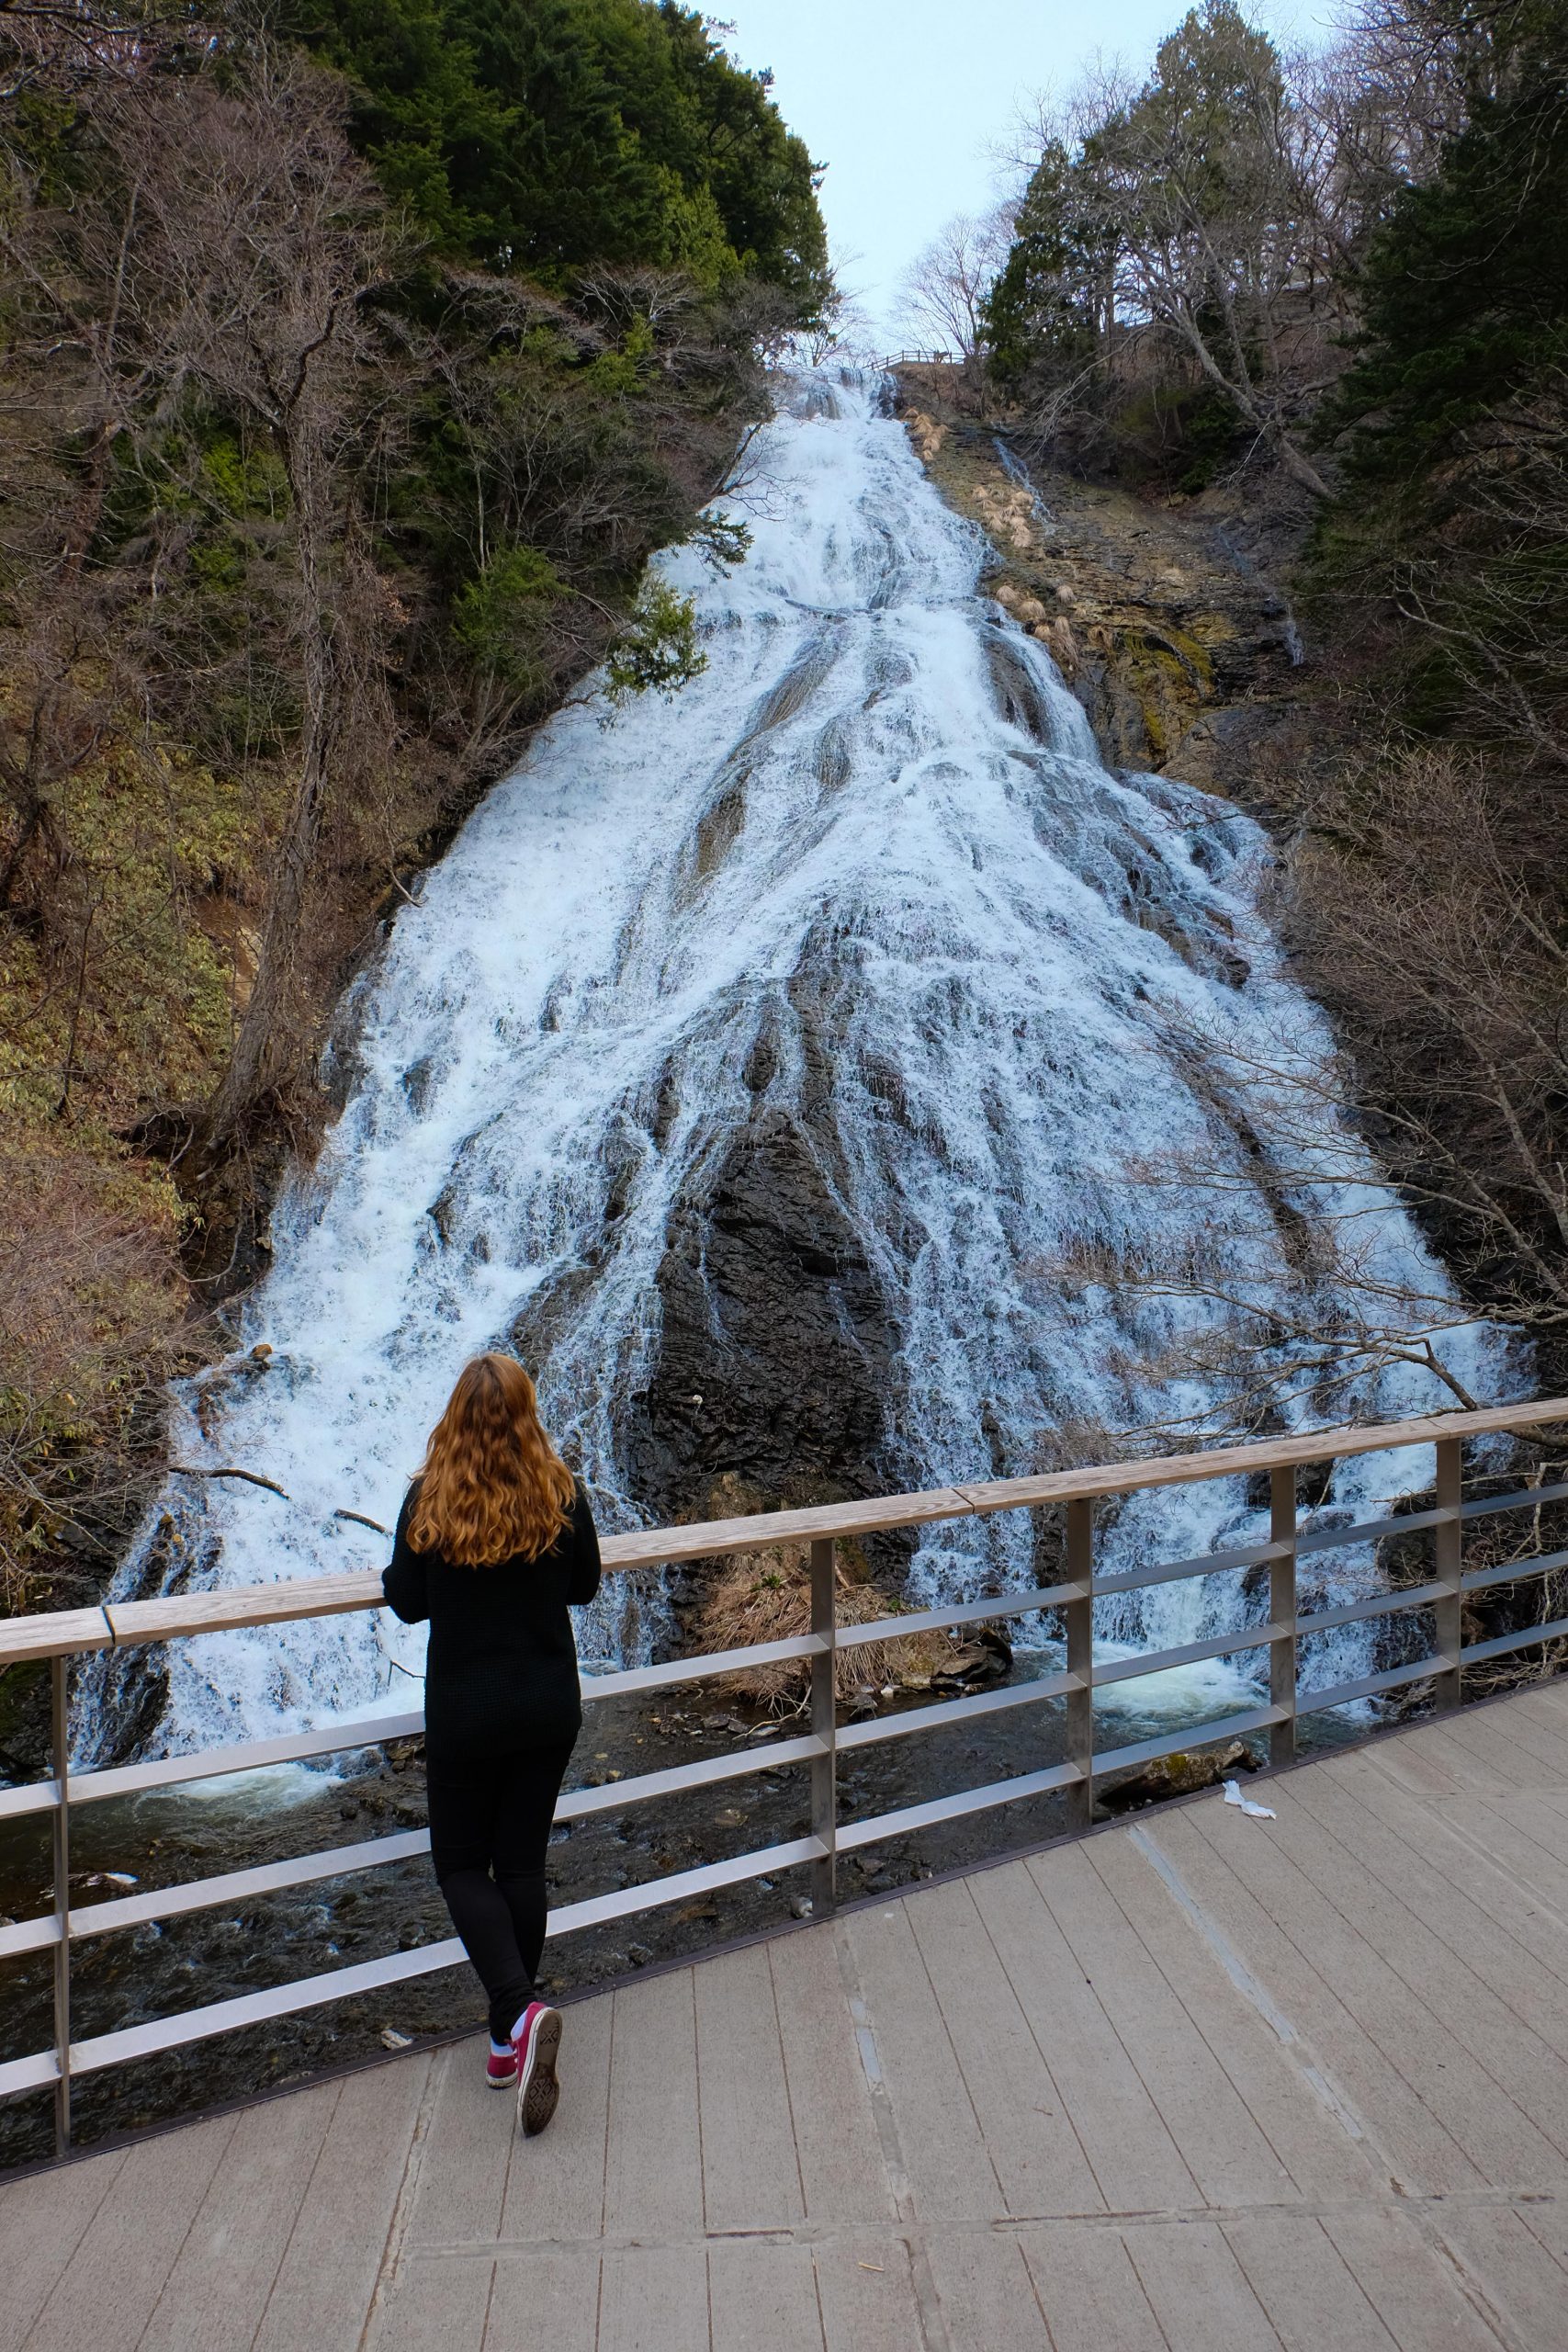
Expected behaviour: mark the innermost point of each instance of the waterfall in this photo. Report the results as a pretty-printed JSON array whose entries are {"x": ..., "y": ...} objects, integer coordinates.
[{"x": 865, "y": 881}]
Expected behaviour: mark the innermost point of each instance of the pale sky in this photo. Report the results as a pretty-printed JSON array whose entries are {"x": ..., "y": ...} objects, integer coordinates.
[{"x": 902, "y": 99}]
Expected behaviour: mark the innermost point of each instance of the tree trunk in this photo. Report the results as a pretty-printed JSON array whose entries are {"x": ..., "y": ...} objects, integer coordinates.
[
  {"x": 1296, "y": 463},
  {"x": 82, "y": 526},
  {"x": 254, "y": 1061},
  {"x": 1300, "y": 468}
]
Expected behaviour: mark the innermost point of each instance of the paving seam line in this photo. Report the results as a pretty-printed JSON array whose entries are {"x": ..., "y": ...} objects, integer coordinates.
[
  {"x": 391, "y": 2263},
  {"x": 1321, "y": 2083},
  {"x": 1428, "y": 2222},
  {"x": 928, "y": 2305}
]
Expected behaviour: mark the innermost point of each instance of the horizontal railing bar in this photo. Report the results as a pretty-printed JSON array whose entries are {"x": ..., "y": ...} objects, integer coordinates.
[
  {"x": 957, "y": 1711},
  {"x": 1512, "y": 1571},
  {"x": 162, "y": 1619},
  {"x": 762, "y": 1863},
  {"x": 734, "y": 1764},
  {"x": 256, "y": 2008},
  {"x": 1339, "y": 1694},
  {"x": 237, "y": 1886},
  {"x": 33, "y": 1796},
  {"x": 30, "y": 1935},
  {"x": 658, "y": 1547},
  {"x": 215, "y": 1763},
  {"x": 341, "y": 1983},
  {"x": 1149, "y": 1751},
  {"x": 1380, "y": 1604},
  {"x": 1523, "y": 1640},
  {"x": 1240, "y": 1461},
  {"x": 969, "y": 1612},
  {"x": 54, "y": 1633},
  {"x": 954, "y": 1808},
  {"x": 34, "y": 2074},
  {"x": 1133, "y": 1669},
  {"x": 1521, "y": 1500},
  {"x": 209, "y": 1764},
  {"x": 1369, "y": 1530},
  {"x": 338, "y": 1861},
  {"x": 1203, "y": 1564},
  {"x": 228, "y": 1607},
  {"x": 700, "y": 1667}
]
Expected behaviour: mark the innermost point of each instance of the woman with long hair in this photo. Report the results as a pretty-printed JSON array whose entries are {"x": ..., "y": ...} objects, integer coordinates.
[{"x": 495, "y": 1544}]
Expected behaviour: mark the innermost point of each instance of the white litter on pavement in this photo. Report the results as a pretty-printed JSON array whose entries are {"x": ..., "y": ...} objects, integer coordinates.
[{"x": 1258, "y": 1811}]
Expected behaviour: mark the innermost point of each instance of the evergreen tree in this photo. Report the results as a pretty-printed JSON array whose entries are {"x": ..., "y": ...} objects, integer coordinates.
[
  {"x": 1465, "y": 293},
  {"x": 549, "y": 136},
  {"x": 1042, "y": 308}
]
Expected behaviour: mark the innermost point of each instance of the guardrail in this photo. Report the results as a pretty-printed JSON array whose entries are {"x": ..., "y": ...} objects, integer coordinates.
[{"x": 68, "y": 1633}]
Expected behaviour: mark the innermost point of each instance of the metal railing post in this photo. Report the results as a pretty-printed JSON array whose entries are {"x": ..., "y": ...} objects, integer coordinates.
[
  {"x": 59, "y": 1728},
  {"x": 1282, "y": 1612},
  {"x": 1079, "y": 1617},
  {"x": 1448, "y": 1549},
  {"x": 825, "y": 1726}
]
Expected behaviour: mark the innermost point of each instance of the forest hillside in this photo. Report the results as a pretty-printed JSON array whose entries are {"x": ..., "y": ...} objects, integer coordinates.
[{"x": 354, "y": 359}]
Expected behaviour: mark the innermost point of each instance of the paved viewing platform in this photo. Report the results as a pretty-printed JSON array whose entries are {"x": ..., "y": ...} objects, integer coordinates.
[{"x": 1197, "y": 2081}]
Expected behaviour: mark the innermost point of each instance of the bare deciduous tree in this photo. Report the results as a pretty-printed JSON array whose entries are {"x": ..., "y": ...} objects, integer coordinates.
[
  {"x": 222, "y": 261},
  {"x": 945, "y": 287},
  {"x": 1422, "y": 902},
  {"x": 254, "y": 242},
  {"x": 91, "y": 1319},
  {"x": 1220, "y": 239}
]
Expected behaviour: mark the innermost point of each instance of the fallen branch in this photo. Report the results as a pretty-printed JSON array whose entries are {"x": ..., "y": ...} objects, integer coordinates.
[{"x": 252, "y": 1479}]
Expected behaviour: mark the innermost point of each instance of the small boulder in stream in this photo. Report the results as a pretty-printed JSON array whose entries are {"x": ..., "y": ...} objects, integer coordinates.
[{"x": 1181, "y": 1775}]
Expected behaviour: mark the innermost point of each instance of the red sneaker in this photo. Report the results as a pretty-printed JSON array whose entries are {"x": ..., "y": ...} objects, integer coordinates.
[
  {"x": 501, "y": 2069},
  {"x": 536, "y": 2043}
]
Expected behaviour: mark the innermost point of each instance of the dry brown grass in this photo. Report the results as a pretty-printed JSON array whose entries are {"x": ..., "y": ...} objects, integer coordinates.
[
  {"x": 766, "y": 1597},
  {"x": 93, "y": 1314}
]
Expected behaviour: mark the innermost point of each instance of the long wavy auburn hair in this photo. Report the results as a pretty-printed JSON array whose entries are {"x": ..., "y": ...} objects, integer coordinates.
[{"x": 492, "y": 1486}]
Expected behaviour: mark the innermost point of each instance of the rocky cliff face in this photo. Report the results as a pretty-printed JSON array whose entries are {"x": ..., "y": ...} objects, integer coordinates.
[
  {"x": 1161, "y": 618},
  {"x": 777, "y": 1359}
]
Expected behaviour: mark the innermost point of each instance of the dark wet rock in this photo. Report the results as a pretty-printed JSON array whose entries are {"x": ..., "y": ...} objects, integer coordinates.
[
  {"x": 1181, "y": 1775},
  {"x": 418, "y": 1079},
  {"x": 777, "y": 1367}
]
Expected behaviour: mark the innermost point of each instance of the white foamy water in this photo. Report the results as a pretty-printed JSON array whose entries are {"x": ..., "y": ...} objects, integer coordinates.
[{"x": 880, "y": 802}]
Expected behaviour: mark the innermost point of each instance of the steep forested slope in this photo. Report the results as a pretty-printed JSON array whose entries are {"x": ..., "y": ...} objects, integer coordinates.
[{"x": 351, "y": 370}]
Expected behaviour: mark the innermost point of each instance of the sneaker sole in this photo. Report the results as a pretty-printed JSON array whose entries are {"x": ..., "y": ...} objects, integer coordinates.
[
  {"x": 502, "y": 2082},
  {"x": 537, "y": 2088}
]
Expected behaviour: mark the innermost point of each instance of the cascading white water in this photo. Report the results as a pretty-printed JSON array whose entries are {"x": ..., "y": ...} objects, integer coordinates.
[{"x": 880, "y": 793}]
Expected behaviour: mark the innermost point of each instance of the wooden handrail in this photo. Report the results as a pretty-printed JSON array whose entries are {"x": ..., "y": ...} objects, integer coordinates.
[
  {"x": 70, "y": 1632},
  {"x": 120, "y": 1624}
]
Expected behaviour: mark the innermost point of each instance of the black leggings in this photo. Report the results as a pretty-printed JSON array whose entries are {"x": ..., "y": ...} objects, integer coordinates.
[{"x": 495, "y": 1818}]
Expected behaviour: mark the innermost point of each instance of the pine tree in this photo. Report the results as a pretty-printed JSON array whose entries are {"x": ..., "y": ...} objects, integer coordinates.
[{"x": 549, "y": 136}]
